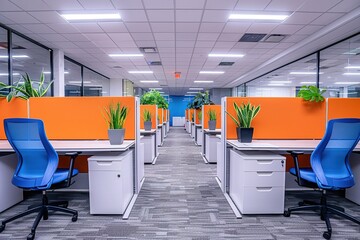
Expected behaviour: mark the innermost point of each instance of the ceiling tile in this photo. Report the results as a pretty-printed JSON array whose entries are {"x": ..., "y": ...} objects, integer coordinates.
[
  {"x": 204, "y": 44},
  {"x": 302, "y": 18},
  {"x": 208, "y": 36},
  {"x": 97, "y": 5},
  {"x": 97, "y": 36},
  {"x": 48, "y": 17},
  {"x": 142, "y": 36},
  {"x": 345, "y": 6},
  {"x": 5, "y": 20},
  {"x": 113, "y": 27},
  {"x": 281, "y": 5},
  {"x": 211, "y": 27},
  {"x": 287, "y": 29},
  {"x": 310, "y": 29},
  {"x": 262, "y": 27},
  {"x": 133, "y": 15},
  {"x": 105, "y": 43},
  {"x": 138, "y": 27},
  {"x": 236, "y": 27},
  {"x": 252, "y": 5},
  {"x": 38, "y": 28},
  {"x": 326, "y": 18},
  {"x": 8, "y": 6},
  {"x": 70, "y": 5},
  {"x": 87, "y": 27},
  {"x": 163, "y": 27},
  {"x": 165, "y": 44},
  {"x": 20, "y": 28},
  {"x": 146, "y": 43},
  {"x": 318, "y": 5},
  {"x": 189, "y": 4},
  {"x": 53, "y": 37},
  {"x": 65, "y": 45},
  {"x": 30, "y": 5},
  {"x": 158, "y": 4},
  {"x": 216, "y": 15},
  {"x": 230, "y": 37},
  {"x": 63, "y": 28},
  {"x": 223, "y": 4},
  {"x": 20, "y": 17},
  {"x": 121, "y": 37},
  {"x": 188, "y": 15},
  {"x": 186, "y": 36},
  {"x": 187, "y": 27},
  {"x": 164, "y": 36},
  {"x": 160, "y": 15},
  {"x": 75, "y": 37},
  {"x": 126, "y": 4}
]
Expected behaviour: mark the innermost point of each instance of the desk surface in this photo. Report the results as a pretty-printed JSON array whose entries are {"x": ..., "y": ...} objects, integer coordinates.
[
  {"x": 80, "y": 146},
  {"x": 198, "y": 125},
  {"x": 278, "y": 145},
  {"x": 216, "y": 131},
  {"x": 143, "y": 131}
]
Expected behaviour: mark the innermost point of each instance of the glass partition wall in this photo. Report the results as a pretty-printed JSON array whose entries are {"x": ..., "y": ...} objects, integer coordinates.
[
  {"x": 4, "y": 72},
  {"x": 335, "y": 68}
]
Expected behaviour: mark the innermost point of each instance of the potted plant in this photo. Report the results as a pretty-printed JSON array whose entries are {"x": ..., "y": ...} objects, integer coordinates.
[
  {"x": 212, "y": 119},
  {"x": 25, "y": 88},
  {"x": 147, "y": 120},
  {"x": 311, "y": 93},
  {"x": 154, "y": 97},
  {"x": 200, "y": 116},
  {"x": 116, "y": 117},
  {"x": 245, "y": 114}
]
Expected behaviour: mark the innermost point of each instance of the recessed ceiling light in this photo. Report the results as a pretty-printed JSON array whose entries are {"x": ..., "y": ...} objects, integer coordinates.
[
  {"x": 257, "y": 17},
  {"x": 196, "y": 88},
  {"x": 304, "y": 73},
  {"x": 352, "y": 74},
  {"x": 211, "y": 72},
  {"x": 309, "y": 82},
  {"x": 203, "y": 81},
  {"x": 149, "y": 81},
  {"x": 14, "y": 56},
  {"x": 193, "y": 92},
  {"x": 226, "y": 55},
  {"x": 50, "y": 72},
  {"x": 126, "y": 55},
  {"x": 346, "y": 83},
  {"x": 141, "y": 72},
  {"x": 156, "y": 88},
  {"x": 280, "y": 82},
  {"x": 352, "y": 67},
  {"x": 276, "y": 84},
  {"x": 91, "y": 16}
]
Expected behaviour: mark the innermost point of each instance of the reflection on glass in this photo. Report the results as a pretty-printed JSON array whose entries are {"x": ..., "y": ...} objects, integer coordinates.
[
  {"x": 3, "y": 61},
  {"x": 128, "y": 88},
  {"x": 72, "y": 79},
  {"x": 341, "y": 69},
  {"x": 95, "y": 84}
]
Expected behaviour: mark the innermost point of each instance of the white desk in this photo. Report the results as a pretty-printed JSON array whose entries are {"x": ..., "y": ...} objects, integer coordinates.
[
  {"x": 206, "y": 132},
  {"x": 198, "y": 132},
  {"x": 279, "y": 146},
  {"x": 160, "y": 134},
  {"x": 151, "y": 133}
]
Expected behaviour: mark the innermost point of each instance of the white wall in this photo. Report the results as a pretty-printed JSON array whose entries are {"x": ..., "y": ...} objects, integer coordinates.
[
  {"x": 270, "y": 91},
  {"x": 59, "y": 79},
  {"x": 116, "y": 85}
]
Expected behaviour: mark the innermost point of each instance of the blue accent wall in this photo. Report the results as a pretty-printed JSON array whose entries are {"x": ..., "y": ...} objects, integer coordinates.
[{"x": 178, "y": 105}]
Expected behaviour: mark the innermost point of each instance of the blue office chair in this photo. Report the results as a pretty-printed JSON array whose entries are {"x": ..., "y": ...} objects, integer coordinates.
[
  {"x": 37, "y": 168},
  {"x": 330, "y": 169}
]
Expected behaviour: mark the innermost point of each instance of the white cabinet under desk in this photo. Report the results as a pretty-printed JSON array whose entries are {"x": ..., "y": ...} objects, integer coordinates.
[
  {"x": 199, "y": 135},
  {"x": 257, "y": 181},
  {"x": 211, "y": 148}
]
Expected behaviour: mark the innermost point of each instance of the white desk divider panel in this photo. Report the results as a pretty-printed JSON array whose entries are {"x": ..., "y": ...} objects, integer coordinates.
[
  {"x": 193, "y": 130},
  {"x": 10, "y": 194},
  {"x": 199, "y": 135},
  {"x": 158, "y": 135},
  {"x": 141, "y": 158},
  {"x": 220, "y": 162},
  {"x": 257, "y": 181},
  {"x": 111, "y": 182}
]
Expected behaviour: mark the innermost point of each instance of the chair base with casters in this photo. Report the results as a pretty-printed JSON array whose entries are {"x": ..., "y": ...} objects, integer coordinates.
[
  {"x": 43, "y": 209},
  {"x": 325, "y": 210}
]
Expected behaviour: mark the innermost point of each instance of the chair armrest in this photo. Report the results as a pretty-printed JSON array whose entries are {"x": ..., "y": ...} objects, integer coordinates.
[
  {"x": 295, "y": 156},
  {"x": 73, "y": 156}
]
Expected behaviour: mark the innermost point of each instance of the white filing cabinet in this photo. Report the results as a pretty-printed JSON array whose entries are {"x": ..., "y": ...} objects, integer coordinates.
[
  {"x": 211, "y": 148},
  {"x": 199, "y": 136},
  {"x": 158, "y": 136},
  {"x": 353, "y": 193},
  {"x": 193, "y": 130},
  {"x": 140, "y": 160},
  {"x": 111, "y": 183},
  {"x": 149, "y": 148},
  {"x": 10, "y": 194},
  {"x": 219, "y": 162},
  {"x": 257, "y": 181}
]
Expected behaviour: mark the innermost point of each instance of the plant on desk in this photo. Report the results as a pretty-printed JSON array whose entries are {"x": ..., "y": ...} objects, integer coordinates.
[
  {"x": 245, "y": 114},
  {"x": 26, "y": 88},
  {"x": 154, "y": 97},
  {"x": 200, "y": 116},
  {"x": 311, "y": 93},
  {"x": 115, "y": 117},
  {"x": 147, "y": 120},
  {"x": 212, "y": 119}
]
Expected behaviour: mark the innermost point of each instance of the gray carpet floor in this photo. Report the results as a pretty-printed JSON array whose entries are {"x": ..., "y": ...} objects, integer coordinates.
[{"x": 180, "y": 199}]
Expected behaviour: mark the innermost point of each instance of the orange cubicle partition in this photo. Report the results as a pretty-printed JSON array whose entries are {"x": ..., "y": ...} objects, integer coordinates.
[
  {"x": 153, "y": 112},
  {"x": 205, "y": 115},
  {"x": 197, "y": 120},
  {"x": 160, "y": 116},
  {"x": 343, "y": 108},
  {"x": 281, "y": 118},
  {"x": 72, "y": 118},
  {"x": 186, "y": 115},
  {"x": 165, "y": 115},
  {"x": 17, "y": 108}
]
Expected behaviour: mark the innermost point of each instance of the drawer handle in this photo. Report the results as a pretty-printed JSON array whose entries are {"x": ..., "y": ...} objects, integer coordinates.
[
  {"x": 264, "y": 161},
  {"x": 104, "y": 162},
  {"x": 264, "y": 173},
  {"x": 264, "y": 189}
]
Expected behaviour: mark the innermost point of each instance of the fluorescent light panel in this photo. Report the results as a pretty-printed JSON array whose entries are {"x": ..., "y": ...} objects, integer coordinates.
[
  {"x": 304, "y": 73},
  {"x": 257, "y": 17},
  {"x": 226, "y": 55},
  {"x": 309, "y": 82},
  {"x": 276, "y": 84},
  {"x": 14, "y": 56},
  {"x": 192, "y": 92},
  {"x": 76, "y": 82},
  {"x": 203, "y": 81},
  {"x": 91, "y": 16},
  {"x": 126, "y": 55},
  {"x": 211, "y": 72},
  {"x": 50, "y": 72},
  {"x": 352, "y": 67},
  {"x": 6, "y": 74},
  {"x": 352, "y": 74},
  {"x": 282, "y": 82},
  {"x": 149, "y": 81},
  {"x": 156, "y": 88},
  {"x": 140, "y": 72},
  {"x": 196, "y": 88},
  {"x": 346, "y": 83}
]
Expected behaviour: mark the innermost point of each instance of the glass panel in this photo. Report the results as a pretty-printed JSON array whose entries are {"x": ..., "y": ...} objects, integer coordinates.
[
  {"x": 3, "y": 58},
  {"x": 286, "y": 81},
  {"x": 95, "y": 84},
  {"x": 241, "y": 91},
  {"x": 340, "y": 65},
  {"x": 31, "y": 59},
  {"x": 72, "y": 79},
  {"x": 128, "y": 88}
]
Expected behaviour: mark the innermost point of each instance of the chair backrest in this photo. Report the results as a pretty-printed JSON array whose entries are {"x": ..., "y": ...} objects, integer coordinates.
[
  {"x": 330, "y": 159},
  {"x": 37, "y": 159}
]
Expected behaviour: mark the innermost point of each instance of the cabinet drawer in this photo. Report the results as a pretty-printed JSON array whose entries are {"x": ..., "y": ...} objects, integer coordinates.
[
  {"x": 264, "y": 165},
  {"x": 263, "y": 179}
]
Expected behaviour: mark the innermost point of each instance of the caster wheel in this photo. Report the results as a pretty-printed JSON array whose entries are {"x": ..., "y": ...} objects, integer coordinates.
[
  {"x": 31, "y": 236},
  {"x": 2, "y": 227},
  {"x": 286, "y": 214},
  {"x": 74, "y": 218},
  {"x": 327, "y": 235}
]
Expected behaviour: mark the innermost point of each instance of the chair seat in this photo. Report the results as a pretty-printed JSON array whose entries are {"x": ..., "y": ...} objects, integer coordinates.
[
  {"x": 62, "y": 173},
  {"x": 305, "y": 173}
]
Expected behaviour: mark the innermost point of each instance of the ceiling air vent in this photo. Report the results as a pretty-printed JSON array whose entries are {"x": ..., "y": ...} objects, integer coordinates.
[
  {"x": 252, "y": 37},
  {"x": 274, "y": 38},
  {"x": 117, "y": 67},
  {"x": 148, "y": 49},
  {"x": 154, "y": 63},
  {"x": 226, "y": 63}
]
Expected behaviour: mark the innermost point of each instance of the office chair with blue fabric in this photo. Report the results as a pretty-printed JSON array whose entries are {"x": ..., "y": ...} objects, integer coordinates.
[
  {"x": 330, "y": 169},
  {"x": 37, "y": 168}
]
